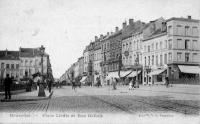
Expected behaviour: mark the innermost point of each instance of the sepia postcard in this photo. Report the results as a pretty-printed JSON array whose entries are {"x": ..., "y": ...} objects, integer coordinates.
[{"x": 100, "y": 61}]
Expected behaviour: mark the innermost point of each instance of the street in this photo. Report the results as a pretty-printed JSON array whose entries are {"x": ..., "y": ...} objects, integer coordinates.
[{"x": 176, "y": 99}]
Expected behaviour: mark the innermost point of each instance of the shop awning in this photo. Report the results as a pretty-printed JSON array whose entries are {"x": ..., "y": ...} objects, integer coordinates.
[
  {"x": 157, "y": 72},
  {"x": 83, "y": 79},
  {"x": 134, "y": 73},
  {"x": 189, "y": 69},
  {"x": 112, "y": 75},
  {"x": 124, "y": 73}
]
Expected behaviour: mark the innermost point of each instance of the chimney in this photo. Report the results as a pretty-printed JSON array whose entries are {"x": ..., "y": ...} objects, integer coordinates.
[
  {"x": 116, "y": 29},
  {"x": 101, "y": 36},
  {"x": 189, "y": 17},
  {"x": 124, "y": 25},
  {"x": 108, "y": 33},
  {"x": 96, "y": 38},
  {"x": 130, "y": 21}
]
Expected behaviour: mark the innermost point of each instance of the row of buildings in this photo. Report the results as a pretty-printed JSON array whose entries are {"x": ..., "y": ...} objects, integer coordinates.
[
  {"x": 146, "y": 51},
  {"x": 24, "y": 63}
]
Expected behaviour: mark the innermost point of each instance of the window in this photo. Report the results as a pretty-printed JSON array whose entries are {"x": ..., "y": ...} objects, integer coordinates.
[
  {"x": 170, "y": 44},
  {"x": 145, "y": 61},
  {"x": 165, "y": 59},
  {"x": 187, "y": 57},
  {"x": 148, "y": 60},
  {"x": 195, "y": 57},
  {"x": 7, "y": 66},
  {"x": 186, "y": 30},
  {"x": 2, "y": 65},
  {"x": 179, "y": 44},
  {"x": 195, "y": 45},
  {"x": 161, "y": 60},
  {"x": 26, "y": 62},
  {"x": 148, "y": 48},
  {"x": 169, "y": 30},
  {"x": 157, "y": 60},
  {"x": 187, "y": 44},
  {"x": 161, "y": 45},
  {"x": 145, "y": 48},
  {"x": 165, "y": 44},
  {"x": 194, "y": 31},
  {"x": 31, "y": 63},
  {"x": 152, "y": 60},
  {"x": 179, "y": 30},
  {"x": 156, "y": 46},
  {"x": 179, "y": 56},
  {"x": 170, "y": 57},
  {"x": 152, "y": 46},
  {"x": 12, "y": 66},
  {"x": 137, "y": 44}
]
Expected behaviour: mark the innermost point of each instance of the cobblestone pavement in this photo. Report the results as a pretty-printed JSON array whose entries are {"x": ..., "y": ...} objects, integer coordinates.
[{"x": 176, "y": 99}]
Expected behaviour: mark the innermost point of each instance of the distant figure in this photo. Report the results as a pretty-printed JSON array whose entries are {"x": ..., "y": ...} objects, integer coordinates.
[
  {"x": 49, "y": 85},
  {"x": 73, "y": 85},
  {"x": 130, "y": 85},
  {"x": 114, "y": 83},
  {"x": 98, "y": 82},
  {"x": 7, "y": 84},
  {"x": 167, "y": 81}
]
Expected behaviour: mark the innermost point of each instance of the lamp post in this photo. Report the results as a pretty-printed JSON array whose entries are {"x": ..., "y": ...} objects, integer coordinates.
[
  {"x": 41, "y": 92},
  {"x": 136, "y": 66}
]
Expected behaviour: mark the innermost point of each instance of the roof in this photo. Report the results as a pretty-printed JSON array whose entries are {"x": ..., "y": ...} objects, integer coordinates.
[
  {"x": 131, "y": 29},
  {"x": 182, "y": 19},
  {"x": 9, "y": 55},
  {"x": 155, "y": 34},
  {"x": 30, "y": 52}
]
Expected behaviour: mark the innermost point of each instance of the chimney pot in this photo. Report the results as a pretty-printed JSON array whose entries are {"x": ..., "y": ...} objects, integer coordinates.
[
  {"x": 116, "y": 29},
  {"x": 189, "y": 17},
  {"x": 124, "y": 25},
  {"x": 96, "y": 38},
  {"x": 108, "y": 33},
  {"x": 130, "y": 21}
]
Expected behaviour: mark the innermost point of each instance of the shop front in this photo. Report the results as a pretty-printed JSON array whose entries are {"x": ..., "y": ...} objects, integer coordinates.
[{"x": 157, "y": 76}]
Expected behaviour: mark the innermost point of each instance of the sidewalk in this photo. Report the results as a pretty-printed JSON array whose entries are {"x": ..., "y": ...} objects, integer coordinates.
[{"x": 26, "y": 96}]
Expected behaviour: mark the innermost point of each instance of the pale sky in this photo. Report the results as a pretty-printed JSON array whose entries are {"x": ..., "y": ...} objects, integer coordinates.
[{"x": 65, "y": 27}]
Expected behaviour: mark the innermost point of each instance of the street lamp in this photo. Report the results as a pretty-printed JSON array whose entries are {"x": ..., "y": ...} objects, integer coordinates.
[
  {"x": 41, "y": 92},
  {"x": 136, "y": 66}
]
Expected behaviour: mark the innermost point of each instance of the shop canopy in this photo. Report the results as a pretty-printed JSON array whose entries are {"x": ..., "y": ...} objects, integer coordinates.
[
  {"x": 189, "y": 69},
  {"x": 134, "y": 73},
  {"x": 83, "y": 79},
  {"x": 122, "y": 74},
  {"x": 157, "y": 72}
]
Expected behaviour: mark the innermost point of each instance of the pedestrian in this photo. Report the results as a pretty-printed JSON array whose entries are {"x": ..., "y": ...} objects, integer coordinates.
[
  {"x": 7, "y": 84},
  {"x": 131, "y": 85},
  {"x": 166, "y": 81},
  {"x": 114, "y": 81},
  {"x": 49, "y": 85},
  {"x": 73, "y": 85}
]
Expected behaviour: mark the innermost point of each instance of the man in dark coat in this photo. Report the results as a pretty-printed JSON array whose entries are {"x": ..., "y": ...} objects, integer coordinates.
[{"x": 7, "y": 84}]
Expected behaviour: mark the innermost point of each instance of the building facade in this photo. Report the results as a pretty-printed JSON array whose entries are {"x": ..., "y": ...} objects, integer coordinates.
[
  {"x": 30, "y": 62},
  {"x": 183, "y": 36},
  {"x": 97, "y": 59},
  {"x": 9, "y": 64},
  {"x": 81, "y": 65},
  {"x": 171, "y": 51}
]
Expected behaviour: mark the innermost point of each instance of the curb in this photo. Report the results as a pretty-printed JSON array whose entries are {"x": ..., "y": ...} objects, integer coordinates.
[
  {"x": 14, "y": 92},
  {"x": 17, "y": 100}
]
